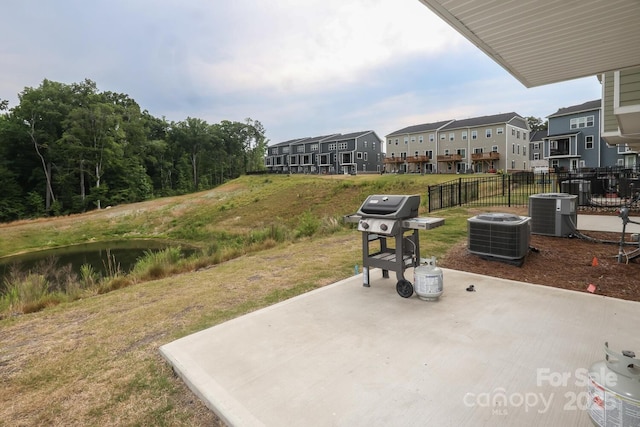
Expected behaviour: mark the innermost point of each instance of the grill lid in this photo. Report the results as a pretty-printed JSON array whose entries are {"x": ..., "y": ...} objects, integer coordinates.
[{"x": 390, "y": 206}]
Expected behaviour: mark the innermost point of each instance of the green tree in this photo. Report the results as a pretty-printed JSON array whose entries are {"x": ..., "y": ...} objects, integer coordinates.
[
  {"x": 536, "y": 123},
  {"x": 42, "y": 110},
  {"x": 193, "y": 138}
]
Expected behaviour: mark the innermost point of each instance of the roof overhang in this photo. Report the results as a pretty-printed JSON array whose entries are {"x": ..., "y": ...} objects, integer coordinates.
[{"x": 548, "y": 41}]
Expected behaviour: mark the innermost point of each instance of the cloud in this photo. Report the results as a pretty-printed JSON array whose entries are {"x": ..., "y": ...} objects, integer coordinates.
[
  {"x": 316, "y": 45},
  {"x": 302, "y": 68}
]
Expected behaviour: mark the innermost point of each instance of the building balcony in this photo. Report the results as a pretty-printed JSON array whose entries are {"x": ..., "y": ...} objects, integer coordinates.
[
  {"x": 394, "y": 160},
  {"x": 417, "y": 159},
  {"x": 478, "y": 157},
  {"x": 449, "y": 157}
]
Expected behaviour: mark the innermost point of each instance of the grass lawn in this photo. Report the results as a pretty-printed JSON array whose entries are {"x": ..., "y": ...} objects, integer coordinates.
[{"x": 95, "y": 360}]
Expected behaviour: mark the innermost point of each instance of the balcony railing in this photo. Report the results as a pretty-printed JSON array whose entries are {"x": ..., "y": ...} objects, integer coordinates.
[
  {"x": 417, "y": 159},
  {"x": 476, "y": 157},
  {"x": 394, "y": 160},
  {"x": 449, "y": 157}
]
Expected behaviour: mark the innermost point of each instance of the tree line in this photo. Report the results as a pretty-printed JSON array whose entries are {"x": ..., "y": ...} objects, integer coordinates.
[{"x": 69, "y": 148}]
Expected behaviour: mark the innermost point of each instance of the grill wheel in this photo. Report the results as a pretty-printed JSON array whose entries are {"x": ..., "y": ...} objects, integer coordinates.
[{"x": 404, "y": 288}]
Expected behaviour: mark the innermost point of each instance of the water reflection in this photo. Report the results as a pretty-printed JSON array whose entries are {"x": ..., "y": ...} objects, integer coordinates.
[{"x": 99, "y": 255}]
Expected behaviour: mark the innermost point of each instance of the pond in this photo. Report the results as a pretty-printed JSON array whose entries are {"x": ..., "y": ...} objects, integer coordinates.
[{"x": 122, "y": 253}]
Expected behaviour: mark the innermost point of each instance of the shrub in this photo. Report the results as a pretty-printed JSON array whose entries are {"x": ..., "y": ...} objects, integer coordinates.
[{"x": 308, "y": 225}]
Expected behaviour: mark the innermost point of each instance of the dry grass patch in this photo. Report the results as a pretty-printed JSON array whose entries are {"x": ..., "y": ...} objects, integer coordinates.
[{"x": 95, "y": 361}]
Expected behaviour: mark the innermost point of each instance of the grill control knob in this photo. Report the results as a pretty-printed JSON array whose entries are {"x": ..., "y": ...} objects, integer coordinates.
[
  {"x": 364, "y": 225},
  {"x": 383, "y": 227}
]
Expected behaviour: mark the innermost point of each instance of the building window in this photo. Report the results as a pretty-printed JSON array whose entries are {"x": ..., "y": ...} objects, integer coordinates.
[
  {"x": 314, "y": 147},
  {"x": 588, "y": 142},
  {"x": 413, "y": 139},
  {"x": 429, "y": 153},
  {"x": 406, "y": 139},
  {"x": 464, "y": 135},
  {"x": 373, "y": 146},
  {"x": 420, "y": 139},
  {"x": 452, "y": 136},
  {"x": 332, "y": 146},
  {"x": 582, "y": 122},
  {"x": 446, "y": 152},
  {"x": 536, "y": 156},
  {"x": 342, "y": 146},
  {"x": 474, "y": 134},
  {"x": 487, "y": 133},
  {"x": 524, "y": 135},
  {"x": 462, "y": 152},
  {"x": 365, "y": 156},
  {"x": 396, "y": 141},
  {"x": 494, "y": 149},
  {"x": 499, "y": 131},
  {"x": 443, "y": 137},
  {"x": 513, "y": 132},
  {"x": 524, "y": 150},
  {"x": 518, "y": 135},
  {"x": 518, "y": 149},
  {"x": 285, "y": 149},
  {"x": 300, "y": 148},
  {"x": 431, "y": 137},
  {"x": 365, "y": 144},
  {"x": 389, "y": 142},
  {"x": 513, "y": 148},
  {"x": 359, "y": 155},
  {"x": 536, "y": 145}
]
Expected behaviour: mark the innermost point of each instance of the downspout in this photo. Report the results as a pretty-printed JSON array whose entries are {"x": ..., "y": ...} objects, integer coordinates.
[{"x": 468, "y": 153}]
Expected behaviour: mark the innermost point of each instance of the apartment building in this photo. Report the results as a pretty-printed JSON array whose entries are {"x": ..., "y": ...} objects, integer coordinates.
[
  {"x": 357, "y": 152},
  {"x": 573, "y": 141},
  {"x": 478, "y": 144}
]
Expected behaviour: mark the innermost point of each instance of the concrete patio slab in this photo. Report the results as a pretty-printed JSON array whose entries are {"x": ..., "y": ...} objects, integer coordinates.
[
  {"x": 508, "y": 354},
  {"x": 609, "y": 223}
]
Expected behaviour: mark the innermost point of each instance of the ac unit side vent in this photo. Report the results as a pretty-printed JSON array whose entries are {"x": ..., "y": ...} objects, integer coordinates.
[{"x": 543, "y": 216}]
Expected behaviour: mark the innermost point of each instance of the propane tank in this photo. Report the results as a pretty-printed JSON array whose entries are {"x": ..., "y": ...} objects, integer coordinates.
[
  {"x": 614, "y": 390},
  {"x": 428, "y": 280}
]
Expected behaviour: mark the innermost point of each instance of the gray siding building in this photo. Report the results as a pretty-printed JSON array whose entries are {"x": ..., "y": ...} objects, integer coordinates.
[
  {"x": 573, "y": 141},
  {"x": 357, "y": 152}
]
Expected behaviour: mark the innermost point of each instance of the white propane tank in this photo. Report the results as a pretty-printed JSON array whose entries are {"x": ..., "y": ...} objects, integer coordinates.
[
  {"x": 614, "y": 390},
  {"x": 428, "y": 280}
]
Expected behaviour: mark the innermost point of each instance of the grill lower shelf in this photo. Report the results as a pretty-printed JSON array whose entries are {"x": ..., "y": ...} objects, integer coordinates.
[{"x": 390, "y": 256}]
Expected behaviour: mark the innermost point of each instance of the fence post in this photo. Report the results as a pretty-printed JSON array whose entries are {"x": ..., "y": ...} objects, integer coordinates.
[
  {"x": 428, "y": 198},
  {"x": 459, "y": 191},
  {"x": 509, "y": 190}
]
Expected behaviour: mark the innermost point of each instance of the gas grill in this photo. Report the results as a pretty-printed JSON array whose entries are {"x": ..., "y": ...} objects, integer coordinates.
[{"x": 390, "y": 240}]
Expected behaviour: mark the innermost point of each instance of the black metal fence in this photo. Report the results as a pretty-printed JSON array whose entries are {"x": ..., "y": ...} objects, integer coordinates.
[{"x": 610, "y": 187}]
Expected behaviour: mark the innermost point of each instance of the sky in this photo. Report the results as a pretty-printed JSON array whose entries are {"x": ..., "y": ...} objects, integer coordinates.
[{"x": 301, "y": 68}]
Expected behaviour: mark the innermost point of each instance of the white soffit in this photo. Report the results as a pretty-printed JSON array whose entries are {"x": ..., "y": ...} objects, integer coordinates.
[{"x": 547, "y": 41}]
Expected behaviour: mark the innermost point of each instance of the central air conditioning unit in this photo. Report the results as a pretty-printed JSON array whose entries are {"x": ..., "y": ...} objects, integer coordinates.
[
  {"x": 499, "y": 235},
  {"x": 553, "y": 214}
]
